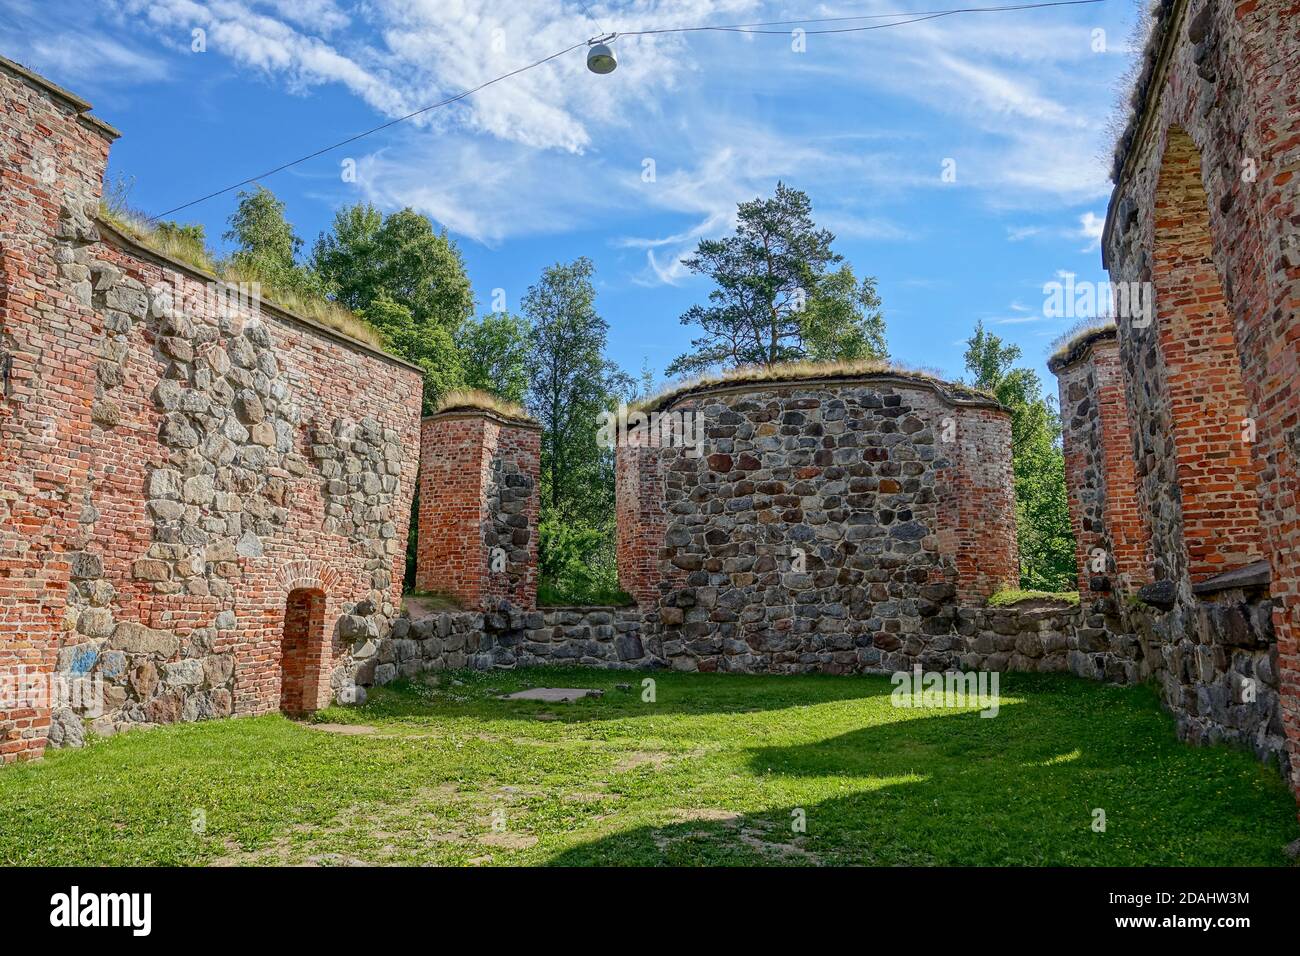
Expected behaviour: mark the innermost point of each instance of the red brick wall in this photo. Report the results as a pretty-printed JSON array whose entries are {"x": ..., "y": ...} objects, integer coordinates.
[
  {"x": 1106, "y": 512},
  {"x": 137, "y": 535},
  {"x": 1126, "y": 522},
  {"x": 479, "y": 491},
  {"x": 976, "y": 501},
  {"x": 641, "y": 520},
  {"x": 1229, "y": 82},
  {"x": 304, "y": 637},
  {"x": 51, "y": 157},
  {"x": 1207, "y": 401}
]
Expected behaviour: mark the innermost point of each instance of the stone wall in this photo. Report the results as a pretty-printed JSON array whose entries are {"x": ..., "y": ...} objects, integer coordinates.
[
  {"x": 195, "y": 457},
  {"x": 1206, "y": 208},
  {"x": 1036, "y": 637},
  {"x": 822, "y": 524}
]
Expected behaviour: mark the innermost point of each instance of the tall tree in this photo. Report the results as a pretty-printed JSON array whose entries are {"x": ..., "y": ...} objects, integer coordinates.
[
  {"x": 570, "y": 383},
  {"x": 775, "y": 297},
  {"x": 494, "y": 354},
  {"x": 1038, "y": 462},
  {"x": 372, "y": 263},
  {"x": 266, "y": 246}
]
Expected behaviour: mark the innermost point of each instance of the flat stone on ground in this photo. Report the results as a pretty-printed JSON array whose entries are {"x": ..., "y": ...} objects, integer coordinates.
[
  {"x": 345, "y": 729},
  {"x": 554, "y": 695}
]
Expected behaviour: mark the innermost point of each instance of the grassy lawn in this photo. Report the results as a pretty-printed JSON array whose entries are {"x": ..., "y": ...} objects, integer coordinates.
[{"x": 712, "y": 772}]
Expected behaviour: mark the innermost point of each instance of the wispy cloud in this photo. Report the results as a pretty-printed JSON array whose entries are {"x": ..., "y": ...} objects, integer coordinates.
[{"x": 1009, "y": 97}]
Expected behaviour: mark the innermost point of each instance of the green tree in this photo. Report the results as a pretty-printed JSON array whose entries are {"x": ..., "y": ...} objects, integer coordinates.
[
  {"x": 266, "y": 246},
  {"x": 370, "y": 262},
  {"x": 494, "y": 354},
  {"x": 1038, "y": 462},
  {"x": 775, "y": 297},
  {"x": 570, "y": 384},
  {"x": 432, "y": 347}
]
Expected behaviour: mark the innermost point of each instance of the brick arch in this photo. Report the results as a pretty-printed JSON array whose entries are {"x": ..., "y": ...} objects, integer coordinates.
[
  {"x": 1197, "y": 342},
  {"x": 307, "y": 576}
]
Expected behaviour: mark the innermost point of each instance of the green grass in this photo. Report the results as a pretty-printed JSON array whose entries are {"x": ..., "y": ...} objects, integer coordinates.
[
  {"x": 1010, "y": 596},
  {"x": 432, "y": 602},
  {"x": 710, "y": 773},
  {"x": 553, "y": 594}
]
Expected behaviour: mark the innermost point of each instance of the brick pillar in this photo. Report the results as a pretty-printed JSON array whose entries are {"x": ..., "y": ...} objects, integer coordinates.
[
  {"x": 1105, "y": 510},
  {"x": 52, "y": 159},
  {"x": 976, "y": 506},
  {"x": 642, "y": 521},
  {"x": 479, "y": 500}
]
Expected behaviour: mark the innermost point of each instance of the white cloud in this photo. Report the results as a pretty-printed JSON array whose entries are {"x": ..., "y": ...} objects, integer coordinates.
[
  {"x": 1015, "y": 97},
  {"x": 1091, "y": 227},
  {"x": 1021, "y": 233}
]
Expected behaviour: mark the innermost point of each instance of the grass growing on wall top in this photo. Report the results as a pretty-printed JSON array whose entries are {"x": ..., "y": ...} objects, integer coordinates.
[
  {"x": 794, "y": 372},
  {"x": 1009, "y": 597},
  {"x": 475, "y": 399},
  {"x": 181, "y": 246},
  {"x": 712, "y": 772}
]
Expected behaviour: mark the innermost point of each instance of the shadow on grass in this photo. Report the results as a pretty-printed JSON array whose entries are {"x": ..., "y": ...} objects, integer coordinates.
[
  {"x": 1028, "y": 787},
  {"x": 477, "y": 693}
]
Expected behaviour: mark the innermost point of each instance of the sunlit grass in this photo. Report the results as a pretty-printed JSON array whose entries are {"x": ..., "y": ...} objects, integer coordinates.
[{"x": 716, "y": 769}]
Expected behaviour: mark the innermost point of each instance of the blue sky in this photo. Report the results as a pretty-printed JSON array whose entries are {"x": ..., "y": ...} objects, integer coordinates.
[{"x": 550, "y": 165}]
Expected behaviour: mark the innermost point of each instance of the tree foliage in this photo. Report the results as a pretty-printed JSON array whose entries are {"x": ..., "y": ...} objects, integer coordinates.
[
  {"x": 570, "y": 383},
  {"x": 266, "y": 247},
  {"x": 405, "y": 279},
  {"x": 1042, "y": 507},
  {"x": 494, "y": 354},
  {"x": 776, "y": 297}
]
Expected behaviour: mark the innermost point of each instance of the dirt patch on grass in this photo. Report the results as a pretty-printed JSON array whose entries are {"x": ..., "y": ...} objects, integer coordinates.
[
  {"x": 508, "y": 840},
  {"x": 712, "y": 814},
  {"x": 656, "y": 759},
  {"x": 347, "y": 730},
  {"x": 762, "y": 836}
]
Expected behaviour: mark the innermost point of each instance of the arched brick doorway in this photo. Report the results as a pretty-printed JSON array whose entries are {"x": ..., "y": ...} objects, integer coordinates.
[{"x": 301, "y": 648}]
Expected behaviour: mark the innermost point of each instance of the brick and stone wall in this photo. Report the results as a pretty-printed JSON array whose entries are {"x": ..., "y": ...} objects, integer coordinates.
[
  {"x": 52, "y": 159},
  {"x": 478, "y": 508},
  {"x": 1206, "y": 208},
  {"x": 1111, "y": 530},
  {"x": 184, "y": 468},
  {"x": 823, "y": 524}
]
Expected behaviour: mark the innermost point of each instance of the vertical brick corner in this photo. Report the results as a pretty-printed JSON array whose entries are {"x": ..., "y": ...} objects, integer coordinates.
[
  {"x": 642, "y": 521},
  {"x": 1106, "y": 513},
  {"x": 479, "y": 491},
  {"x": 52, "y": 159},
  {"x": 976, "y": 520}
]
